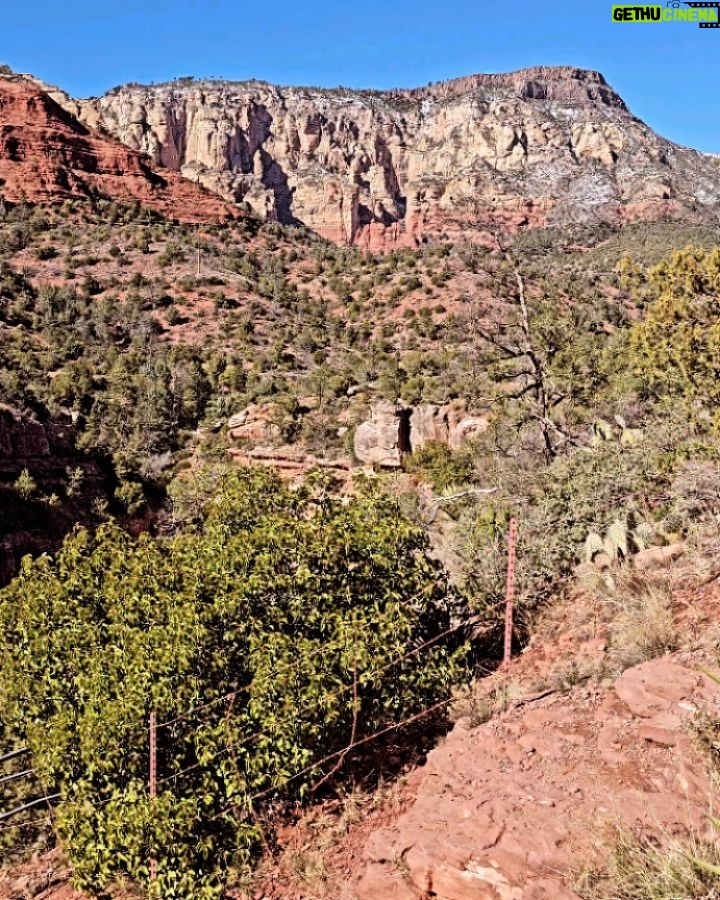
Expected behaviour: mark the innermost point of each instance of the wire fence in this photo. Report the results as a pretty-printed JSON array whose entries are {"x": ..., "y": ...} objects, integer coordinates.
[
  {"x": 27, "y": 802},
  {"x": 362, "y": 678},
  {"x": 206, "y": 712},
  {"x": 333, "y": 695},
  {"x": 311, "y": 767},
  {"x": 366, "y": 676}
]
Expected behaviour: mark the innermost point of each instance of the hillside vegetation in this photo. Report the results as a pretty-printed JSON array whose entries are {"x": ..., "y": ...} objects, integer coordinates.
[{"x": 280, "y": 633}]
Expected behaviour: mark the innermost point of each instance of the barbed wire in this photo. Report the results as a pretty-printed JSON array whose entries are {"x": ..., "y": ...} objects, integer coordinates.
[
  {"x": 322, "y": 651},
  {"x": 362, "y": 678},
  {"x": 267, "y": 732},
  {"x": 344, "y": 751},
  {"x": 26, "y": 823}
]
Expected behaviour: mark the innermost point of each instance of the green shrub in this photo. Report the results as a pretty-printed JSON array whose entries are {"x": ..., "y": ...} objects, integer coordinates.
[
  {"x": 580, "y": 492},
  {"x": 45, "y": 253},
  {"x": 282, "y": 598},
  {"x": 675, "y": 350},
  {"x": 25, "y": 485},
  {"x": 443, "y": 467}
]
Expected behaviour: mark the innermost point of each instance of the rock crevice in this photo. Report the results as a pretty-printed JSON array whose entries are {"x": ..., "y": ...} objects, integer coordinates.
[{"x": 394, "y": 430}]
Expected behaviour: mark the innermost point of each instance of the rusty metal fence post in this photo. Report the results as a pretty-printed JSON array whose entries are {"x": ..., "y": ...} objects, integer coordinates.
[
  {"x": 153, "y": 786},
  {"x": 510, "y": 591}
]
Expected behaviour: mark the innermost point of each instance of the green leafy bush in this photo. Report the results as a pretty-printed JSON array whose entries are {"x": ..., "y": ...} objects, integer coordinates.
[{"x": 282, "y": 597}]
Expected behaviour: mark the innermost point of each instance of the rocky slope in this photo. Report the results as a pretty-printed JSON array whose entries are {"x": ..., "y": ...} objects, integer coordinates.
[
  {"x": 541, "y": 145},
  {"x": 47, "y": 154},
  {"x": 504, "y": 811},
  {"x": 580, "y": 739}
]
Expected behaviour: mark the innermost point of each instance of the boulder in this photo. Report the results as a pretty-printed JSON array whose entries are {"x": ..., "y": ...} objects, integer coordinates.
[
  {"x": 657, "y": 557},
  {"x": 428, "y": 423},
  {"x": 378, "y": 441},
  {"x": 253, "y": 425},
  {"x": 449, "y": 424},
  {"x": 466, "y": 429},
  {"x": 394, "y": 429}
]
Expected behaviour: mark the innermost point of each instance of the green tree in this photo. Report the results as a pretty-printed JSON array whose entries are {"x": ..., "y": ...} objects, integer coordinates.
[{"x": 675, "y": 349}]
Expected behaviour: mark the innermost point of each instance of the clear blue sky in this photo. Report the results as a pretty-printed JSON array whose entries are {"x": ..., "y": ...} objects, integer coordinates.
[{"x": 667, "y": 73}]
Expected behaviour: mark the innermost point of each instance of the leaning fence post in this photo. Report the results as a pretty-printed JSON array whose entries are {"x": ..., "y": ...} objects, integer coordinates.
[
  {"x": 510, "y": 591},
  {"x": 153, "y": 787}
]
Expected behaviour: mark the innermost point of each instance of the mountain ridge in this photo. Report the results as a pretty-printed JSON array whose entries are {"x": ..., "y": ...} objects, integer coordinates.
[
  {"x": 535, "y": 147},
  {"x": 444, "y": 87}
]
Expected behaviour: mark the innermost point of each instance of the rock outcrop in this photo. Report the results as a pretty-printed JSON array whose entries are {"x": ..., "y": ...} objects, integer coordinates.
[
  {"x": 255, "y": 425},
  {"x": 657, "y": 557},
  {"x": 292, "y": 463},
  {"x": 25, "y": 441},
  {"x": 383, "y": 438},
  {"x": 449, "y": 424},
  {"x": 384, "y": 168},
  {"x": 46, "y": 154},
  {"x": 257, "y": 440},
  {"x": 394, "y": 430},
  {"x": 512, "y": 809}
]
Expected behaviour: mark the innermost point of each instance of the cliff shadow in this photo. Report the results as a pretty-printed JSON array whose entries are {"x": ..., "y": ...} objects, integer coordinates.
[{"x": 47, "y": 487}]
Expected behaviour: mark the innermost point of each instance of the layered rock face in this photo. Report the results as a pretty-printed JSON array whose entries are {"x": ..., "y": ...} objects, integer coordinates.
[
  {"x": 538, "y": 146},
  {"x": 257, "y": 440},
  {"x": 46, "y": 154},
  {"x": 502, "y": 811},
  {"x": 394, "y": 430}
]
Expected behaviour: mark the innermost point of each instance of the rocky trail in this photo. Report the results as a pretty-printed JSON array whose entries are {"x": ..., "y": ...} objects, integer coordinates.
[
  {"x": 518, "y": 807},
  {"x": 513, "y": 808}
]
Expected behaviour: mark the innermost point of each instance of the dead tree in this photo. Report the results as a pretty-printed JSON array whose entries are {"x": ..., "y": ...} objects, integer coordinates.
[{"x": 516, "y": 342}]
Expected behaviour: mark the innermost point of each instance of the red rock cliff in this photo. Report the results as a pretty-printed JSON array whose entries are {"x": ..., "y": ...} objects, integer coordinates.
[
  {"x": 545, "y": 145},
  {"x": 46, "y": 154}
]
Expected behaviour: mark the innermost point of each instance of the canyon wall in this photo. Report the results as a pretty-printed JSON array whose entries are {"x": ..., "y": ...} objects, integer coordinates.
[
  {"x": 47, "y": 155},
  {"x": 385, "y": 168}
]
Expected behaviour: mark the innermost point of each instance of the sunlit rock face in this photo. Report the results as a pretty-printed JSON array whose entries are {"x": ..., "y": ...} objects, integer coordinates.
[
  {"x": 47, "y": 155},
  {"x": 386, "y": 168}
]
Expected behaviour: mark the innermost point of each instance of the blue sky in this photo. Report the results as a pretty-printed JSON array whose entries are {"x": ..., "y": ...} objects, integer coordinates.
[{"x": 667, "y": 73}]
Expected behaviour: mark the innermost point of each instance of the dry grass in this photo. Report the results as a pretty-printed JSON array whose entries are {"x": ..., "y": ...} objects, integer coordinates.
[
  {"x": 630, "y": 613},
  {"x": 475, "y": 705},
  {"x": 672, "y": 870},
  {"x": 305, "y": 861},
  {"x": 640, "y": 624}
]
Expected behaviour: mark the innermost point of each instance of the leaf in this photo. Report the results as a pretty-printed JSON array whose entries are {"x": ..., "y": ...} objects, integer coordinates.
[{"x": 712, "y": 675}]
